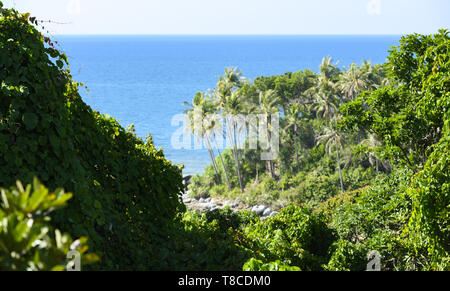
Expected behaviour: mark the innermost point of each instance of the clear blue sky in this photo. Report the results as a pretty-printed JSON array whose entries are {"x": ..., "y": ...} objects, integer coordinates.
[{"x": 240, "y": 16}]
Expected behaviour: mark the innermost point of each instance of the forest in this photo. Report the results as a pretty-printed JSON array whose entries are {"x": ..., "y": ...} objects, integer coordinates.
[{"x": 363, "y": 168}]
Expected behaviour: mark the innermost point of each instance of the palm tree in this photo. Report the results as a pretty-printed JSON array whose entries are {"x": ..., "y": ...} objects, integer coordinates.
[
  {"x": 354, "y": 81},
  {"x": 372, "y": 143},
  {"x": 227, "y": 84},
  {"x": 213, "y": 127},
  {"x": 332, "y": 138},
  {"x": 293, "y": 119},
  {"x": 327, "y": 75},
  {"x": 268, "y": 102},
  {"x": 327, "y": 70},
  {"x": 229, "y": 100},
  {"x": 232, "y": 109},
  {"x": 202, "y": 106},
  {"x": 325, "y": 106},
  {"x": 375, "y": 74}
]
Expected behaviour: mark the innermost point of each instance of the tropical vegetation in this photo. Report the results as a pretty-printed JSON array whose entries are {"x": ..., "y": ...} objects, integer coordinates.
[{"x": 362, "y": 166}]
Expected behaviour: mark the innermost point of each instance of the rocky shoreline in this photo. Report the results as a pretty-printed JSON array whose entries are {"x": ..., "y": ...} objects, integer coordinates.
[{"x": 210, "y": 204}]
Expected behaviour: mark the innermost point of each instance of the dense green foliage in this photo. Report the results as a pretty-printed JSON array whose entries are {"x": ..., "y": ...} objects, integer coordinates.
[
  {"x": 27, "y": 240},
  {"x": 317, "y": 160},
  {"x": 125, "y": 192},
  {"x": 295, "y": 237},
  {"x": 363, "y": 166},
  {"x": 207, "y": 242},
  {"x": 367, "y": 148},
  {"x": 257, "y": 265},
  {"x": 411, "y": 117}
]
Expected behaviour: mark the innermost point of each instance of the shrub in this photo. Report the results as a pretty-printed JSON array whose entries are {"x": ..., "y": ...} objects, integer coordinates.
[
  {"x": 259, "y": 266},
  {"x": 201, "y": 243},
  {"x": 126, "y": 194},
  {"x": 227, "y": 218},
  {"x": 295, "y": 237},
  {"x": 348, "y": 256},
  {"x": 372, "y": 219},
  {"x": 27, "y": 241}
]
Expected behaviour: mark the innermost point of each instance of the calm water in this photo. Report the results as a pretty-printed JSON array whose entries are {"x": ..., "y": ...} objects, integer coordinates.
[{"x": 145, "y": 79}]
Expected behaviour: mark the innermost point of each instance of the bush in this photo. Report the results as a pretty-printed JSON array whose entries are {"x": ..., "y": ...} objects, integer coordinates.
[
  {"x": 259, "y": 266},
  {"x": 201, "y": 243},
  {"x": 227, "y": 218},
  {"x": 27, "y": 241},
  {"x": 348, "y": 256},
  {"x": 295, "y": 237},
  {"x": 126, "y": 194},
  {"x": 372, "y": 219}
]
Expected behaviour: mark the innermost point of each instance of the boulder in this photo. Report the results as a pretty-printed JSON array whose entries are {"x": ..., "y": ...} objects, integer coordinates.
[
  {"x": 259, "y": 209},
  {"x": 267, "y": 212},
  {"x": 210, "y": 206}
]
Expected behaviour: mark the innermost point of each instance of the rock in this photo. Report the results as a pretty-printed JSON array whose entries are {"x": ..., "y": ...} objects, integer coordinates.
[
  {"x": 259, "y": 209},
  {"x": 210, "y": 206},
  {"x": 267, "y": 212},
  {"x": 234, "y": 205},
  {"x": 202, "y": 200},
  {"x": 208, "y": 200},
  {"x": 187, "y": 200},
  {"x": 273, "y": 213}
]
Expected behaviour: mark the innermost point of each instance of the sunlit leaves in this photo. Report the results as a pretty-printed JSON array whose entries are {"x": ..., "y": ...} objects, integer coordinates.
[{"x": 27, "y": 241}]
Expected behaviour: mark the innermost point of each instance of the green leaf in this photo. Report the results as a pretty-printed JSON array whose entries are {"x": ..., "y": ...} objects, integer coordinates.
[
  {"x": 60, "y": 64},
  {"x": 30, "y": 120},
  {"x": 36, "y": 198}
]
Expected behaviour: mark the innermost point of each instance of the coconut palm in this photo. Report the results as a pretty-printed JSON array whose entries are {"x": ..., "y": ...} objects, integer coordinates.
[
  {"x": 213, "y": 127},
  {"x": 325, "y": 106},
  {"x": 371, "y": 142},
  {"x": 327, "y": 75},
  {"x": 354, "y": 81},
  {"x": 231, "y": 109},
  {"x": 268, "y": 105},
  {"x": 375, "y": 74},
  {"x": 293, "y": 120},
  {"x": 332, "y": 138},
  {"x": 202, "y": 106},
  {"x": 327, "y": 70}
]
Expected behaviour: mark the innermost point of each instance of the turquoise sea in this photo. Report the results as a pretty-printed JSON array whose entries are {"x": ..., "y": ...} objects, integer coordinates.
[{"x": 145, "y": 79}]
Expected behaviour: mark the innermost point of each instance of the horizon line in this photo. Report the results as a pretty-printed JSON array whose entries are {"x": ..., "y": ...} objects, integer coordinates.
[{"x": 223, "y": 34}]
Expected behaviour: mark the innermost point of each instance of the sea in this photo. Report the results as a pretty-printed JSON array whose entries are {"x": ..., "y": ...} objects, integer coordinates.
[{"x": 144, "y": 79}]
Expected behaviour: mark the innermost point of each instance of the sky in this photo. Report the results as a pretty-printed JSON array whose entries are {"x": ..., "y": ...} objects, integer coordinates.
[{"x": 239, "y": 16}]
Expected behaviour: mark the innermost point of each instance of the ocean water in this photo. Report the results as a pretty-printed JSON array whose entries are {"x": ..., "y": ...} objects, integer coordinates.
[{"x": 145, "y": 79}]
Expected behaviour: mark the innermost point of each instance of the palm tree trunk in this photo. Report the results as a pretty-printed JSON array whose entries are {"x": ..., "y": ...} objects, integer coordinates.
[
  {"x": 211, "y": 154},
  {"x": 339, "y": 167},
  {"x": 296, "y": 149},
  {"x": 223, "y": 164},
  {"x": 236, "y": 158},
  {"x": 271, "y": 164}
]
